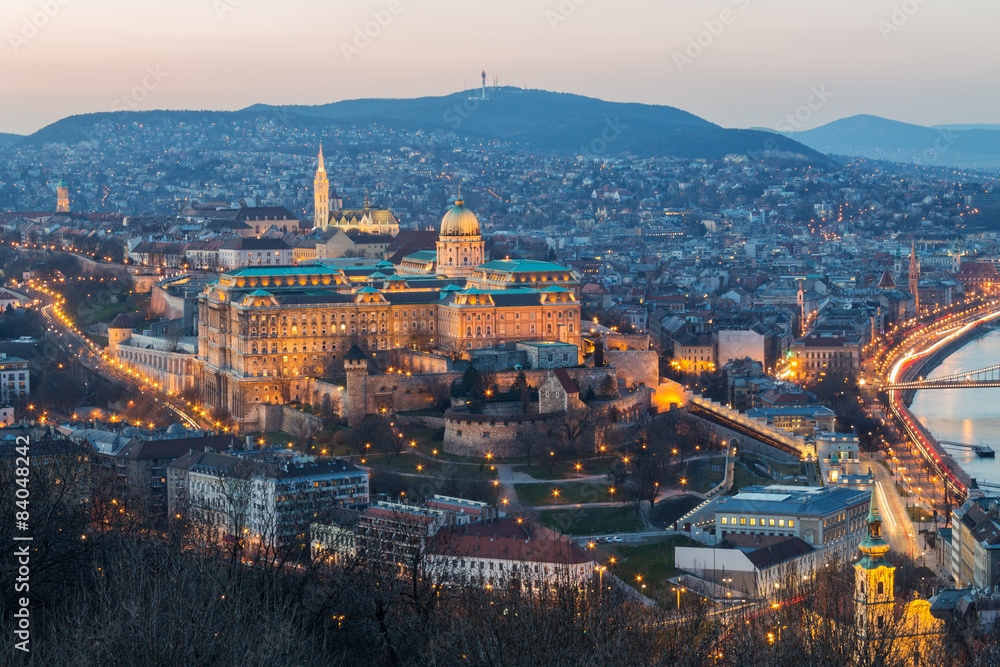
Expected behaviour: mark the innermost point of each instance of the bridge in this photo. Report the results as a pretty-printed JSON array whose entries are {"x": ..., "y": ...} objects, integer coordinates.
[{"x": 981, "y": 377}]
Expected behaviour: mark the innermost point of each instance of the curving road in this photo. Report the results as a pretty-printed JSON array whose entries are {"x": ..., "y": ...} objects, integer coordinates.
[{"x": 896, "y": 524}]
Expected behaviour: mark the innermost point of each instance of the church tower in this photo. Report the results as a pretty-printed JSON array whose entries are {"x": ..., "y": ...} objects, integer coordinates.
[
  {"x": 321, "y": 195},
  {"x": 460, "y": 247},
  {"x": 873, "y": 580},
  {"x": 914, "y": 275},
  {"x": 62, "y": 197}
]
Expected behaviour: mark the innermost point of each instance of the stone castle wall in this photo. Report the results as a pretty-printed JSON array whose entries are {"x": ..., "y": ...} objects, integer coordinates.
[
  {"x": 270, "y": 417},
  {"x": 478, "y": 435},
  {"x": 617, "y": 341},
  {"x": 635, "y": 366}
]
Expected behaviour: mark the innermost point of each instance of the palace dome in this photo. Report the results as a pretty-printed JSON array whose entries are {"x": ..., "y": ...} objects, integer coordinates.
[{"x": 459, "y": 221}]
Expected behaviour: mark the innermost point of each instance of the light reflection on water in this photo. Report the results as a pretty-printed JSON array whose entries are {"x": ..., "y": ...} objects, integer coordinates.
[{"x": 971, "y": 416}]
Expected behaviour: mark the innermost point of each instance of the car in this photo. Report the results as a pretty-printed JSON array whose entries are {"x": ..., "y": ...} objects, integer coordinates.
[{"x": 617, "y": 539}]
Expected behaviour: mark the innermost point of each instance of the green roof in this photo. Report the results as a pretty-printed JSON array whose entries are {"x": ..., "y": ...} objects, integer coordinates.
[
  {"x": 367, "y": 290},
  {"x": 517, "y": 290},
  {"x": 521, "y": 266},
  {"x": 307, "y": 269},
  {"x": 259, "y": 292},
  {"x": 423, "y": 256}
]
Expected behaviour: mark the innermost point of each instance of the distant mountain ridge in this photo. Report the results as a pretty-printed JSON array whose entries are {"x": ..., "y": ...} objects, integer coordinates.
[
  {"x": 963, "y": 146},
  {"x": 559, "y": 122},
  {"x": 7, "y": 138},
  {"x": 562, "y": 122}
]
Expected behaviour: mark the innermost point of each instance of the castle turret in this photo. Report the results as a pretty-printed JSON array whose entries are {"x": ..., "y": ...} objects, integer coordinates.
[
  {"x": 356, "y": 367},
  {"x": 119, "y": 331}
]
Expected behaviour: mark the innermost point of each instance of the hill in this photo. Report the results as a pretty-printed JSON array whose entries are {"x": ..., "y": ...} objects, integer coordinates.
[
  {"x": 883, "y": 139},
  {"x": 547, "y": 121},
  {"x": 561, "y": 122},
  {"x": 7, "y": 138}
]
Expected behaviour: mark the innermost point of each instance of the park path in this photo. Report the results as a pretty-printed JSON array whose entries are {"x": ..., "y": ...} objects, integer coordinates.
[{"x": 505, "y": 475}]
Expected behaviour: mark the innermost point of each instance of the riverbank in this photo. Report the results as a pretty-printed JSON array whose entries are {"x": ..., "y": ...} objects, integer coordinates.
[{"x": 925, "y": 367}]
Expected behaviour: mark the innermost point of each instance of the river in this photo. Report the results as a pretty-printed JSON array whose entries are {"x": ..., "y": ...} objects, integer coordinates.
[{"x": 971, "y": 416}]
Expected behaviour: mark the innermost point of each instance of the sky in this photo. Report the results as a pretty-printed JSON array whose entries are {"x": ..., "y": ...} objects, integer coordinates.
[{"x": 784, "y": 64}]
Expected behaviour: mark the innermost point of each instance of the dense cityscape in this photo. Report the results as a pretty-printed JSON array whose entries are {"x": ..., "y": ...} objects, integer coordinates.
[{"x": 504, "y": 376}]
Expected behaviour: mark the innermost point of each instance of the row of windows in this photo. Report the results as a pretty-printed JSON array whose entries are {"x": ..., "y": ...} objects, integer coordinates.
[{"x": 780, "y": 523}]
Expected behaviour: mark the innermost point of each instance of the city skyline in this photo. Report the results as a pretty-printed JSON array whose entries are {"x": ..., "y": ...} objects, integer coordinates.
[{"x": 737, "y": 63}]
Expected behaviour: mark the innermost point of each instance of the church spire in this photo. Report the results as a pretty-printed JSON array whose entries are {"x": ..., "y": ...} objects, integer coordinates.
[
  {"x": 874, "y": 546},
  {"x": 321, "y": 195}
]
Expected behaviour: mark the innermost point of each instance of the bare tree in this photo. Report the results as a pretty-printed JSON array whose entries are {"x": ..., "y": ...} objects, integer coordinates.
[{"x": 455, "y": 349}]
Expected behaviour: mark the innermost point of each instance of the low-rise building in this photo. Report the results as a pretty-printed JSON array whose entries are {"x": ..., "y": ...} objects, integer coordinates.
[
  {"x": 238, "y": 252},
  {"x": 549, "y": 354},
  {"x": 800, "y": 420},
  {"x": 830, "y": 519},
  {"x": 14, "y": 378},
  {"x": 267, "y": 496},
  {"x": 817, "y": 355},
  {"x": 975, "y": 543}
]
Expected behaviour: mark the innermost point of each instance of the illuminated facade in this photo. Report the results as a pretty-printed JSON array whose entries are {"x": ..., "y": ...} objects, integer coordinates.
[
  {"x": 460, "y": 245},
  {"x": 264, "y": 329},
  {"x": 62, "y": 197}
]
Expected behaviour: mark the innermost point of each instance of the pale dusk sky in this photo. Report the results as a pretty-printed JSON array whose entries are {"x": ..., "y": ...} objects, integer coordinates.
[{"x": 739, "y": 63}]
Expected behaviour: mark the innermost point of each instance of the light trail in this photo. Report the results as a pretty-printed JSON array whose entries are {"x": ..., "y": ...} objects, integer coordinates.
[{"x": 884, "y": 502}]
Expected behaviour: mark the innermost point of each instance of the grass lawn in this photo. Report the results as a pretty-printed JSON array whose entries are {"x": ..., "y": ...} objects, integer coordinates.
[
  {"x": 592, "y": 521},
  {"x": 700, "y": 474},
  {"x": 902, "y": 492},
  {"x": 653, "y": 562},
  {"x": 742, "y": 478},
  {"x": 566, "y": 469},
  {"x": 569, "y": 493},
  {"x": 787, "y": 468},
  {"x": 919, "y": 514}
]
